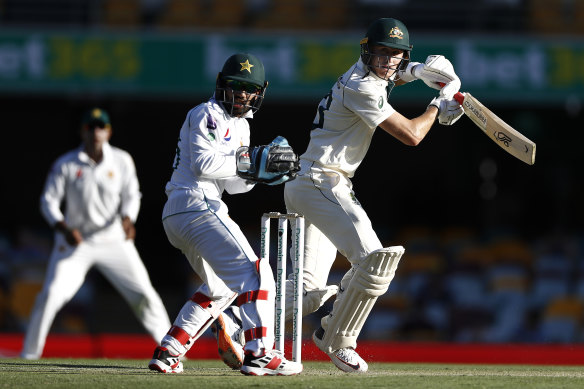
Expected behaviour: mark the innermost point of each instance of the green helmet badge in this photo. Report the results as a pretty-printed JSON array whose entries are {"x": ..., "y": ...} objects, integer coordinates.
[{"x": 246, "y": 66}]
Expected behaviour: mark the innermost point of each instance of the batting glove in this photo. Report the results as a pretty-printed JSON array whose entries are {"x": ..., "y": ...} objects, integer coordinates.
[
  {"x": 408, "y": 74},
  {"x": 435, "y": 71},
  {"x": 449, "y": 110}
]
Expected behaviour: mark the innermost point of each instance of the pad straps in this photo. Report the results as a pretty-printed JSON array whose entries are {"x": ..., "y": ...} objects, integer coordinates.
[
  {"x": 248, "y": 297},
  {"x": 251, "y": 296}
]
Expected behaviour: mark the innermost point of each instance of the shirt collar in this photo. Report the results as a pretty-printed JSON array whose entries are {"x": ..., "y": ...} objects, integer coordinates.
[
  {"x": 365, "y": 69},
  {"x": 83, "y": 157}
]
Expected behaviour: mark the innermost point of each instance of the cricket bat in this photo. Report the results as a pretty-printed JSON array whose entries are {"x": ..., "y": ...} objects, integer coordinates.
[{"x": 509, "y": 139}]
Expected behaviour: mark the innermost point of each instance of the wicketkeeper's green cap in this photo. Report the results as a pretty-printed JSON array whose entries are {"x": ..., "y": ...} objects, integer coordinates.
[
  {"x": 96, "y": 116},
  {"x": 244, "y": 67},
  {"x": 388, "y": 32}
]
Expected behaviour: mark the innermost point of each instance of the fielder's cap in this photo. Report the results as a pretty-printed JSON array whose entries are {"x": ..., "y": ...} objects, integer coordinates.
[
  {"x": 388, "y": 32},
  {"x": 246, "y": 68},
  {"x": 96, "y": 116}
]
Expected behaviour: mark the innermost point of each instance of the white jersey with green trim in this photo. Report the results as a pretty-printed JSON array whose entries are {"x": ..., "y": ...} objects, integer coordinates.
[{"x": 346, "y": 120}]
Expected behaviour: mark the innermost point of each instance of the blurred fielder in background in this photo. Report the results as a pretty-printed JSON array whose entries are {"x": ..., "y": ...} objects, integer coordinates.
[
  {"x": 345, "y": 122},
  {"x": 213, "y": 156},
  {"x": 99, "y": 186}
]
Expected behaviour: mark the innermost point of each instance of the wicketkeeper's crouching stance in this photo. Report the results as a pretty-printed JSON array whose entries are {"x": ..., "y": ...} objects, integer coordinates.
[{"x": 213, "y": 155}]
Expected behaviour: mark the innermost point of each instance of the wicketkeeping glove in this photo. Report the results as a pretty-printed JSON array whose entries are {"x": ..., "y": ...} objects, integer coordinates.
[{"x": 272, "y": 164}]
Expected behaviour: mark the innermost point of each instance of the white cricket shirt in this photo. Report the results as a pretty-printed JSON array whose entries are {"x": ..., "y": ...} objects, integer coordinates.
[
  {"x": 346, "y": 120},
  {"x": 205, "y": 163},
  {"x": 96, "y": 195}
]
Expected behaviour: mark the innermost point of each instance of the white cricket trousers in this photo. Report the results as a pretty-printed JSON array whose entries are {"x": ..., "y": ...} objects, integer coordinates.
[
  {"x": 119, "y": 262},
  {"x": 220, "y": 254},
  {"x": 334, "y": 220}
]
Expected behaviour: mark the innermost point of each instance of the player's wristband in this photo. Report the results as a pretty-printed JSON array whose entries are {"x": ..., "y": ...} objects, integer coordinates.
[
  {"x": 435, "y": 103},
  {"x": 409, "y": 74}
]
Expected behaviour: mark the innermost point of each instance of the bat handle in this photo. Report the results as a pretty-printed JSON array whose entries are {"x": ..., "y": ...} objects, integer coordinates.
[{"x": 458, "y": 96}]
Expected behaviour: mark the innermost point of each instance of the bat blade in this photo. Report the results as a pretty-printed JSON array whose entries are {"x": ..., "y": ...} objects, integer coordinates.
[{"x": 495, "y": 128}]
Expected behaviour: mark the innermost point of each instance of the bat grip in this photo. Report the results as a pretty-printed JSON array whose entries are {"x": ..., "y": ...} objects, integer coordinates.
[{"x": 458, "y": 96}]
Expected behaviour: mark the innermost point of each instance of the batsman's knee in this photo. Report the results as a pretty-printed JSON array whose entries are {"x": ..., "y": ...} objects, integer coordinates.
[{"x": 374, "y": 274}]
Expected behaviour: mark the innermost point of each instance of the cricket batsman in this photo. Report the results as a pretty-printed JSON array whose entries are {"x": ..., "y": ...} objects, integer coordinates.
[{"x": 357, "y": 104}]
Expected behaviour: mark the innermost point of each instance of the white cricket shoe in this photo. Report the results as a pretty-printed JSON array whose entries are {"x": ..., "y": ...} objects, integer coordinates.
[
  {"x": 269, "y": 363},
  {"x": 346, "y": 359},
  {"x": 229, "y": 334},
  {"x": 164, "y": 362}
]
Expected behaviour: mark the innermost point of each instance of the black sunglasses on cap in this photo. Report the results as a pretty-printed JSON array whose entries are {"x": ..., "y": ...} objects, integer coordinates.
[{"x": 242, "y": 86}]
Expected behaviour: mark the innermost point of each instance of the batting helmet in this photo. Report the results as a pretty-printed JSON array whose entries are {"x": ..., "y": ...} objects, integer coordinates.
[
  {"x": 245, "y": 69},
  {"x": 386, "y": 32}
]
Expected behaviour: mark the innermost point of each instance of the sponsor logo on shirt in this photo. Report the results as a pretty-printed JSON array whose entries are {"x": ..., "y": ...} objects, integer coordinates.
[
  {"x": 211, "y": 123},
  {"x": 227, "y": 136}
]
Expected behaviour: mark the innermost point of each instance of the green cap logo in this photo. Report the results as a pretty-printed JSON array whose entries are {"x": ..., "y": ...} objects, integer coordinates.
[{"x": 246, "y": 66}]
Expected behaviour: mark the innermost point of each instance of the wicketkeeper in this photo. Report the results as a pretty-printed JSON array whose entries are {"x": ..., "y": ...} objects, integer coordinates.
[{"x": 213, "y": 155}]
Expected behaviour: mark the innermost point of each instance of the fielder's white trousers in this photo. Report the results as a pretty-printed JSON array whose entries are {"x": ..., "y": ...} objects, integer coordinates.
[{"x": 119, "y": 262}]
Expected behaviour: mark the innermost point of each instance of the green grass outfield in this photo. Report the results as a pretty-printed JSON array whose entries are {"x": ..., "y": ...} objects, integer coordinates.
[{"x": 131, "y": 373}]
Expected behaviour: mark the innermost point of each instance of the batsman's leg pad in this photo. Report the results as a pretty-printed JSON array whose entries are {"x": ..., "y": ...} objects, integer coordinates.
[
  {"x": 311, "y": 299},
  {"x": 369, "y": 280}
]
